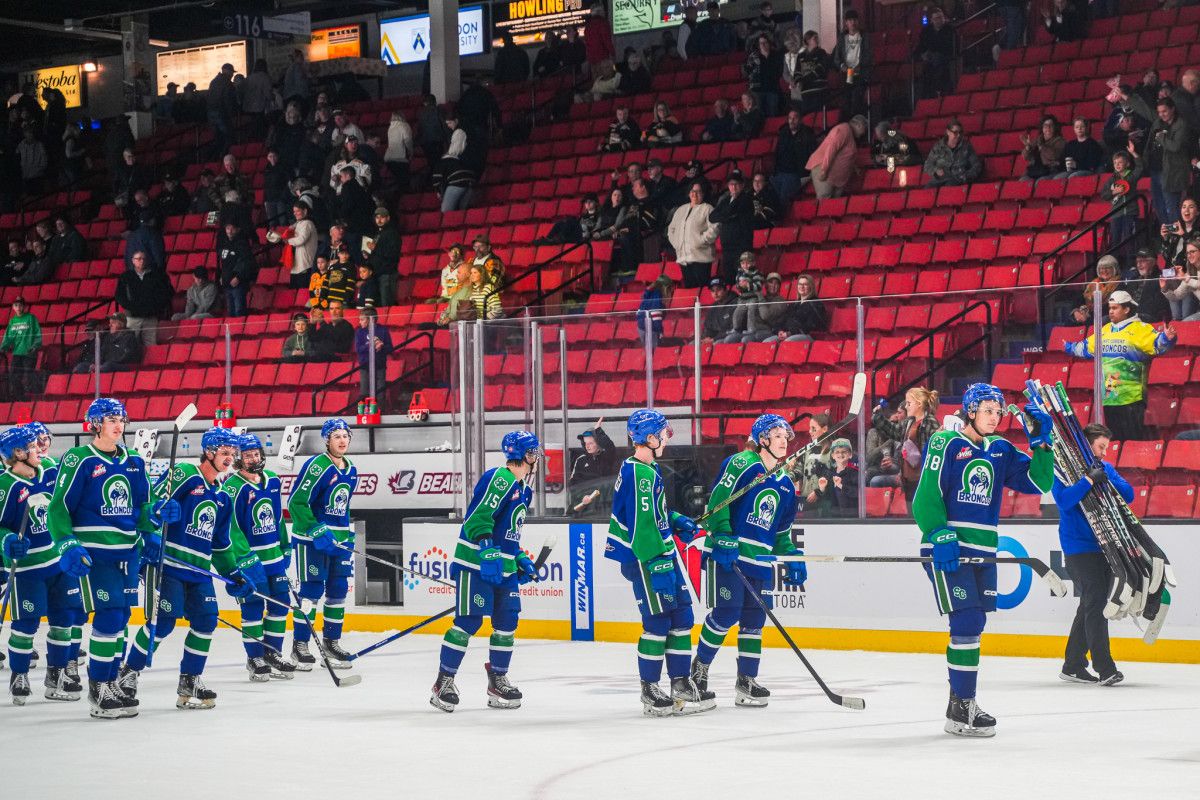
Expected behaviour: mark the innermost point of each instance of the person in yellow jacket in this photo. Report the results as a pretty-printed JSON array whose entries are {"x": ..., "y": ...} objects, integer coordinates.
[{"x": 1127, "y": 345}]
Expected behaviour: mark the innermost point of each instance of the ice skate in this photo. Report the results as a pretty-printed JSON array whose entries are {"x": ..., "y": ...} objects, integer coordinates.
[
  {"x": 965, "y": 718},
  {"x": 1080, "y": 675},
  {"x": 72, "y": 672},
  {"x": 59, "y": 686},
  {"x": 303, "y": 659},
  {"x": 655, "y": 702},
  {"x": 104, "y": 701},
  {"x": 258, "y": 669},
  {"x": 281, "y": 668},
  {"x": 700, "y": 674},
  {"x": 749, "y": 694},
  {"x": 193, "y": 694},
  {"x": 126, "y": 687},
  {"x": 688, "y": 699},
  {"x": 35, "y": 658},
  {"x": 18, "y": 687},
  {"x": 501, "y": 692},
  {"x": 445, "y": 693},
  {"x": 339, "y": 658}
]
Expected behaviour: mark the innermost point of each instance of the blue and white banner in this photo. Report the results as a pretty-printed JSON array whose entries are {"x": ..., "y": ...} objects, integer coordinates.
[{"x": 583, "y": 608}]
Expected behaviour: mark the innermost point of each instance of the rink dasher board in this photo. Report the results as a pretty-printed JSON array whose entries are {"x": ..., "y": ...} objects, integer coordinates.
[{"x": 887, "y": 607}]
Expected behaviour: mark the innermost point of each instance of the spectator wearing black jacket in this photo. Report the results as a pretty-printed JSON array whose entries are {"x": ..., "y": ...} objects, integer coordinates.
[
  {"x": 713, "y": 36},
  {"x": 763, "y": 70},
  {"x": 145, "y": 295},
  {"x": 41, "y": 265},
  {"x": 662, "y": 187},
  {"x": 718, "y": 318},
  {"x": 236, "y": 266},
  {"x": 892, "y": 148},
  {"x": 807, "y": 315},
  {"x": 384, "y": 256},
  {"x": 512, "y": 63},
  {"x": 935, "y": 50},
  {"x": 67, "y": 244},
  {"x": 635, "y": 77},
  {"x": 793, "y": 147},
  {"x": 1083, "y": 155},
  {"x": 721, "y": 126},
  {"x": 277, "y": 196},
  {"x": 353, "y": 205},
  {"x": 173, "y": 199},
  {"x": 592, "y": 472},
  {"x": 120, "y": 348},
  {"x": 1063, "y": 22},
  {"x": 623, "y": 133},
  {"x": 1141, "y": 281},
  {"x": 748, "y": 119},
  {"x": 145, "y": 231},
  {"x": 767, "y": 205},
  {"x": 366, "y": 288},
  {"x": 734, "y": 212}
]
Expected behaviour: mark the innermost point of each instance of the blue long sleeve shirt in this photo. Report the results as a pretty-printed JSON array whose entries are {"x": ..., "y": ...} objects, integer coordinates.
[{"x": 1074, "y": 533}]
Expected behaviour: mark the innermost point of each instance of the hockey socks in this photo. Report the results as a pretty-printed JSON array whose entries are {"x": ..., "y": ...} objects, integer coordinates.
[
  {"x": 716, "y": 628},
  {"x": 58, "y": 646},
  {"x": 302, "y": 632},
  {"x": 334, "y": 612},
  {"x": 962, "y": 654},
  {"x": 274, "y": 627},
  {"x": 20, "y": 644},
  {"x": 454, "y": 643},
  {"x": 105, "y": 644},
  {"x": 749, "y": 651},
  {"x": 500, "y": 652}
]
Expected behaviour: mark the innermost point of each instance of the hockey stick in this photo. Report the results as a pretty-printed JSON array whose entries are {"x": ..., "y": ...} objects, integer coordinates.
[
  {"x": 543, "y": 556},
  {"x": 855, "y": 703},
  {"x": 856, "y": 401},
  {"x": 251, "y": 636},
  {"x": 349, "y": 680},
  {"x": 403, "y": 633},
  {"x": 1053, "y": 582},
  {"x": 34, "y": 502},
  {"x": 187, "y": 415}
]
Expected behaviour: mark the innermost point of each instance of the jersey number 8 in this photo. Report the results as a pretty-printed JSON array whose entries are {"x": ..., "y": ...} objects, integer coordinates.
[{"x": 935, "y": 463}]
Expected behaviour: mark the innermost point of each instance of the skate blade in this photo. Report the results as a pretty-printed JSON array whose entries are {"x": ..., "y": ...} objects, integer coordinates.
[
  {"x": 650, "y": 710},
  {"x": 687, "y": 708},
  {"x": 962, "y": 729},
  {"x": 281, "y": 676},
  {"x": 191, "y": 704},
  {"x": 335, "y": 664},
  {"x": 64, "y": 697},
  {"x": 260, "y": 678},
  {"x": 441, "y": 705},
  {"x": 128, "y": 712},
  {"x": 302, "y": 667},
  {"x": 746, "y": 701},
  {"x": 97, "y": 713},
  {"x": 501, "y": 703},
  {"x": 19, "y": 701}
]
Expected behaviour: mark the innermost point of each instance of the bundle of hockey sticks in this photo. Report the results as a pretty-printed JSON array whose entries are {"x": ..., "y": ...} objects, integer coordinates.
[{"x": 1141, "y": 571}]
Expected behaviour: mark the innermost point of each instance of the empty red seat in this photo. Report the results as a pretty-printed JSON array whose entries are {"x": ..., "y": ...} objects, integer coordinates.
[{"x": 1178, "y": 502}]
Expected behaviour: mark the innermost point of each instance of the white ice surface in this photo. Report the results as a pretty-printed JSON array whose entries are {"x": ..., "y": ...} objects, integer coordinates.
[{"x": 581, "y": 733}]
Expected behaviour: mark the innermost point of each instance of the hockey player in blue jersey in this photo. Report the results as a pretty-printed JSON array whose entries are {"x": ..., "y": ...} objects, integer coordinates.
[
  {"x": 748, "y": 532},
  {"x": 323, "y": 539},
  {"x": 257, "y": 518},
  {"x": 957, "y": 508},
  {"x": 39, "y": 588},
  {"x": 488, "y": 568},
  {"x": 97, "y": 516},
  {"x": 640, "y": 540},
  {"x": 190, "y": 547}
]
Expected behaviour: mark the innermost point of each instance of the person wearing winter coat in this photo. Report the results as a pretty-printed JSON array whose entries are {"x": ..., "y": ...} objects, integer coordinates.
[
  {"x": 952, "y": 161},
  {"x": 399, "y": 150},
  {"x": 1171, "y": 145},
  {"x": 694, "y": 237}
]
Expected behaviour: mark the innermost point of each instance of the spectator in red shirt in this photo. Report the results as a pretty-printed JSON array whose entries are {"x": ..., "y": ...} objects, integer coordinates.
[
  {"x": 598, "y": 38},
  {"x": 832, "y": 163}
]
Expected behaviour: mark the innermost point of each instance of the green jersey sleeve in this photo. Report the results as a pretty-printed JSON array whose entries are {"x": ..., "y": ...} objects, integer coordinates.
[
  {"x": 929, "y": 504},
  {"x": 299, "y": 504},
  {"x": 481, "y": 521}
]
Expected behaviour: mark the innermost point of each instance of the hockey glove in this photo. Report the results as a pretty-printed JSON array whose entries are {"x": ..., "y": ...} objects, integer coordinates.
[
  {"x": 251, "y": 570},
  {"x": 724, "y": 551},
  {"x": 945, "y": 549},
  {"x": 165, "y": 512},
  {"x": 684, "y": 527},
  {"x": 526, "y": 572},
  {"x": 73, "y": 558},
  {"x": 15, "y": 547},
  {"x": 152, "y": 548},
  {"x": 491, "y": 562},
  {"x": 662, "y": 576},
  {"x": 240, "y": 588},
  {"x": 1042, "y": 432},
  {"x": 323, "y": 541},
  {"x": 1098, "y": 475},
  {"x": 797, "y": 571}
]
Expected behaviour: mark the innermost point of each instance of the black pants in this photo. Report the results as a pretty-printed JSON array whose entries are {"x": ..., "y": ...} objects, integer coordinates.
[
  {"x": 1126, "y": 421},
  {"x": 696, "y": 274},
  {"x": 20, "y": 375},
  {"x": 1089, "y": 633}
]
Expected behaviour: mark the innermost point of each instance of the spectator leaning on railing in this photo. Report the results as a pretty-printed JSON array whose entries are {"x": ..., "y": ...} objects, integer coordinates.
[
  {"x": 1128, "y": 345},
  {"x": 832, "y": 163}
]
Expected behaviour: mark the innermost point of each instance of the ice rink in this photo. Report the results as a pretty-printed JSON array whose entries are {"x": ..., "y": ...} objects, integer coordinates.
[{"x": 581, "y": 733}]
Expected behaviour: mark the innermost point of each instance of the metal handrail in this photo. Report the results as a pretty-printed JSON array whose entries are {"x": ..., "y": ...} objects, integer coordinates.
[
  {"x": 944, "y": 361},
  {"x": 325, "y": 387},
  {"x": 1094, "y": 230}
]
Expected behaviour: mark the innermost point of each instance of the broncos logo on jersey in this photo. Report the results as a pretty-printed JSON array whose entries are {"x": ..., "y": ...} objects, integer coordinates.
[
  {"x": 204, "y": 521},
  {"x": 977, "y": 482},
  {"x": 339, "y": 502},
  {"x": 763, "y": 513},
  {"x": 117, "y": 497},
  {"x": 264, "y": 517},
  {"x": 37, "y": 520},
  {"x": 516, "y": 522}
]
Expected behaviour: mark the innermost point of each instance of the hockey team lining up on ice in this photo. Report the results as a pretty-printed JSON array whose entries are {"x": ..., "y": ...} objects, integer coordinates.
[{"x": 80, "y": 535}]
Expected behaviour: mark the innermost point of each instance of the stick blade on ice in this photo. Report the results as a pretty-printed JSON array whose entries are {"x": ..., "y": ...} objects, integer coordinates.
[{"x": 854, "y": 703}]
